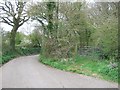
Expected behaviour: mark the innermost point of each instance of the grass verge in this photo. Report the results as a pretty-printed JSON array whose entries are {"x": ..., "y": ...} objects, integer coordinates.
[{"x": 84, "y": 65}]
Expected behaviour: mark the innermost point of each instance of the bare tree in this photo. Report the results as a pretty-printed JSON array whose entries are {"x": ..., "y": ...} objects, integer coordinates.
[{"x": 15, "y": 15}]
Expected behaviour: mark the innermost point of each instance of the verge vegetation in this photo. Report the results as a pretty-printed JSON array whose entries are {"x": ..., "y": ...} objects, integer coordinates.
[{"x": 84, "y": 65}]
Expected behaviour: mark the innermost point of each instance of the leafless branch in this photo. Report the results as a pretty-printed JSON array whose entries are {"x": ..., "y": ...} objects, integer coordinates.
[
  {"x": 7, "y": 22},
  {"x": 24, "y": 20}
]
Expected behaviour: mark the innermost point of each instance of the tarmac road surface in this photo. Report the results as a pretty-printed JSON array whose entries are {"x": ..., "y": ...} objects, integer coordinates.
[{"x": 28, "y": 72}]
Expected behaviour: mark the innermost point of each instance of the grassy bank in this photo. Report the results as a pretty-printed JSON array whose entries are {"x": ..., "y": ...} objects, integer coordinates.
[
  {"x": 84, "y": 65},
  {"x": 8, "y": 55}
]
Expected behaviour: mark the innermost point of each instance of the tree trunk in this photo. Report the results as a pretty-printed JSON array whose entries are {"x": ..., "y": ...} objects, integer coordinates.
[
  {"x": 87, "y": 38},
  {"x": 12, "y": 38},
  {"x": 118, "y": 32},
  {"x": 50, "y": 26}
]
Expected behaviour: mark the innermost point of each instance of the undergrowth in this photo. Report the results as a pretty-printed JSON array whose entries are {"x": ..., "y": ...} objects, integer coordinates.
[
  {"x": 8, "y": 55},
  {"x": 84, "y": 65}
]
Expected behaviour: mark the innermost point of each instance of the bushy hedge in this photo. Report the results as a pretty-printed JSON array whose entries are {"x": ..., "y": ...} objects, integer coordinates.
[{"x": 8, "y": 55}]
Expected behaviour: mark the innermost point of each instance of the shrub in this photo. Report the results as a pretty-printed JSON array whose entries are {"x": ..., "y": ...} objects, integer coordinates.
[{"x": 8, "y": 55}]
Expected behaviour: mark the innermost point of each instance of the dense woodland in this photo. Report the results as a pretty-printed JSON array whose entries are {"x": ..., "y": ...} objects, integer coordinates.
[{"x": 66, "y": 31}]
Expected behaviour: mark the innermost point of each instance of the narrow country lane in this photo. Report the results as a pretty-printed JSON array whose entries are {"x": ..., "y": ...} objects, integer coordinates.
[{"x": 28, "y": 72}]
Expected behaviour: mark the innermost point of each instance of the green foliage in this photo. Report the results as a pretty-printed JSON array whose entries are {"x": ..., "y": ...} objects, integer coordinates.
[
  {"x": 7, "y": 56},
  {"x": 84, "y": 65},
  {"x": 0, "y": 60},
  {"x": 23, "y": 46},
  {"x": 53, "y": 62},
  {"x": 110, "y": 73},
  {"x": 19, "y": 37},
  {"x": 35, "y": 38},
  {"x": 105, "y": 21}
]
